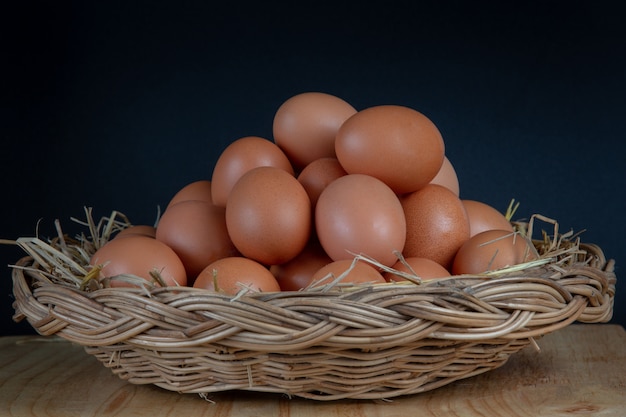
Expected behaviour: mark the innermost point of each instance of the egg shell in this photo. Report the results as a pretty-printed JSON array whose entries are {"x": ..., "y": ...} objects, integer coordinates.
[
  {"x": 359, "y": 214},
  {"x": 491, "y": 250},
  {"x": 196, "y": 231},
  {"x": 318, "y": 174},
  {"x": 437, "y": 224},
  {"x": 234, "y": 274},
  {"x": 139, "y": 229},
  {"x": 360, "y": 272},
  {"x": 395, "y": 144},
  {"x": 297, "y": 273},
  {"x": 138, "y": 255},
  {"x": 305, "y": 126},
  {"x": 484, "y": 217},
  {"x": 447, "y": 177},
  {"x": 238, "y": 158},
  {"x": 197, "y": 190},
  {"x": 268, "y": 215},
  {"x": 423, "y": 268}
]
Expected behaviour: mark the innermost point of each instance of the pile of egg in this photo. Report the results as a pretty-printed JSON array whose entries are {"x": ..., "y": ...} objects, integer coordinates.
[{"x": 334, "y": 182}]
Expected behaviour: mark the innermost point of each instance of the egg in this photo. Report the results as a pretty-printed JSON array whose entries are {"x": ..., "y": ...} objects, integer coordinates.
[
  {"x": 491, "y": 250},
  {"x": 437, "y": 224},
  {"x": 483, "y": 217},
  {"x": 361, "y": 272},
  {"x": 423, "y": 268},
  {"x": 297, "y": 273},
  {"x": 359, "y": 214},
  {"x": 197, "y": 190},
  {"x": 268, "y": 215},
  {"x": 139, "y": 255},
  {"x": 234, "y": 274},
  {"x": 318, "y": 174},
  {"x": 447, "y": 177},
  {"x": 139, "y": 229},
  {"x": 396, "y": 144},
  {"x": 305, "y": 126},
  {"x": 196, "y": 231},
  {"x": 238, "y": 158}
]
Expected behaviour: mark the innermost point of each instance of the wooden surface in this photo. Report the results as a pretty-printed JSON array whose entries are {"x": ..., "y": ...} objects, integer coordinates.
[{"x": 580, "y": 371}]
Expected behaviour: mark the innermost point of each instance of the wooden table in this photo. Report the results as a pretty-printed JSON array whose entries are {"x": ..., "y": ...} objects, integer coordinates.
[{"x": 580, "y": 371}]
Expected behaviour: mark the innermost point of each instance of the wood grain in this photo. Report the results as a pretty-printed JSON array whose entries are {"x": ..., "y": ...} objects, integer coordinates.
[{"x": 580, "y": 371}]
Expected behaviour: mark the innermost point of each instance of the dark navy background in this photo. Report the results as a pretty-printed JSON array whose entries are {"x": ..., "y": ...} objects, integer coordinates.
[{"x": 116, "y": 105}]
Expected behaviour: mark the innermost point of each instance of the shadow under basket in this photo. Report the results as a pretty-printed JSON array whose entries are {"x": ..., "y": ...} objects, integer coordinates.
[{"x": 324, "y": 343}]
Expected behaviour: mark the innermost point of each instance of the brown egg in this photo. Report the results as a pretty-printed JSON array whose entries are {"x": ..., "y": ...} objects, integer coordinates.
[
  {"x": 305, "y": 126},
  {"x": 359, "y": 214},
  {"x": 318, "y": 174},
  {"x": 238, "y": 158},
  {"x": 424, "y": 268},
  {"x": 197, "y": 190},
  {"x": 139, "y": 255},
  {"x": 139, "y": 229},
  {"x": 437, "y": 224},
  {"x": 268, "y": 215},
  {"x": 395, "y": 144},
  {"x": 235, "y": 273},
  {"x": 362, "y": 272},
  {"x": 483, "y": 217},
  {"x": 196, "y": 231},
  {"x": 447, "y": 177},
  {"x": 491, "y": 250},
  {"x": 297, "y": 273}
]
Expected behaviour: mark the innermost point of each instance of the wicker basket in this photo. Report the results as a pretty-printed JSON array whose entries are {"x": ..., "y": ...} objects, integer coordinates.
[{"x": 326, "y": 343}]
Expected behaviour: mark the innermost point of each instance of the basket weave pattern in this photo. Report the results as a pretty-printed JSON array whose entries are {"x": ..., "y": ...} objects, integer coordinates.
[{"x": 367, "y": 342}]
